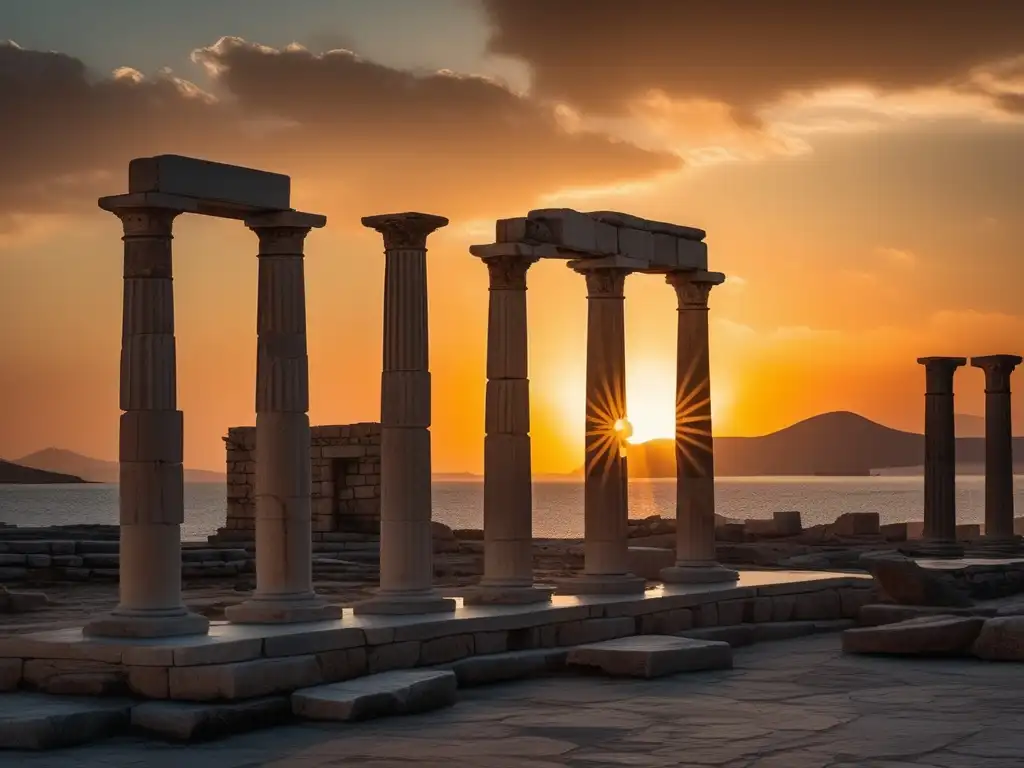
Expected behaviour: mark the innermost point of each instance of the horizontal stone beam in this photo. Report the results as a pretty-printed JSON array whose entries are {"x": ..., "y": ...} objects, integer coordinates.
[
  {"x": 654, "y": 246},
  {"x": 228, "y": 187}
]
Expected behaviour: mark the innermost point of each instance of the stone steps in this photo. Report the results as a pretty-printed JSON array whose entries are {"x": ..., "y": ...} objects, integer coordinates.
[
  {"x": 399, "y": 692},
  {"x": 649, "y": 656}
]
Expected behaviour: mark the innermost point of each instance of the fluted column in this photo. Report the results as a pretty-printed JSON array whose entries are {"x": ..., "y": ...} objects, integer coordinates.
[
  {"x": 508, "y": 493},
  {"x": 999, "y": 538},
  {"x": 150, "y": 451},
  {"x": 284, "y": 560},
  {"x": 939, "y": 538},
  {"x": 406, "y": 537},
  {"x": 696, "y": 561},
  {"x": 605, "y": 490}
]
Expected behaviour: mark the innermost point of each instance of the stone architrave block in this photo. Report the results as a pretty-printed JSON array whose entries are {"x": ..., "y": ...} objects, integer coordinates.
[
  {"x": 665, "y": 251},
  {"x": 247, "y": 188},
  {"x": 400, "y": 692},
  {"x": 651, "y": 656},
  {"x": 636, "y": 244},
  {"x": 569, "y": 229},
  {"x": 691, "y": 254}
]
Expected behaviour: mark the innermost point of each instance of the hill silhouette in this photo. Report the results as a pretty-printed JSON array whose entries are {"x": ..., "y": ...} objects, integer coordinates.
[
  {"x": 839, "y": 443},
  {"x": 97, "y": 470},
  {"x": 22, "y": 475}
]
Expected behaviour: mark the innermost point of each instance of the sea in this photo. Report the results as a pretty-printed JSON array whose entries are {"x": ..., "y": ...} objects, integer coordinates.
[{"x": 558, "y": 504}]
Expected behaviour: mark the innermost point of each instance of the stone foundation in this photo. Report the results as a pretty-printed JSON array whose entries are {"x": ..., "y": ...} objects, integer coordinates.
[
  {"x": 241, "y": 662},
  {"x": 345, "y": 474}
]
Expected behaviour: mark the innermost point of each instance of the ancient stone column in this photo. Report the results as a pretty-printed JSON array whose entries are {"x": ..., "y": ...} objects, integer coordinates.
[
  {"x": 406, "y": 536},
  {"x": 284, "y": 559},
  {"x": 508, "y": 492},
  {"x": 999, "y": 538},
  {"x": 605, "y": 491},
  {"x": 696, "y": 561},
  {"x": 939, "y": 460},
  {"x": 151, "y": 492}
]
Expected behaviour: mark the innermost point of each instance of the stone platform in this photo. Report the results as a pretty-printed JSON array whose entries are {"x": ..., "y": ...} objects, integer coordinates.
[{"x": 236, "y": 662}]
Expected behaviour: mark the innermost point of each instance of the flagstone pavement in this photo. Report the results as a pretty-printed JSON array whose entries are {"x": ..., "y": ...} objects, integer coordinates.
[{"x": 792, "y": 704}]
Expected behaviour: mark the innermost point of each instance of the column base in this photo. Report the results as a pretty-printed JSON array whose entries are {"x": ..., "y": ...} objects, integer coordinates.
[
  {"x": 497, "y": 594},
  {"x": 405, "y": 604},
  {"x": 270, "y": 610},
  {"x": 698, "y": 573},
  {"x": 601, "y": 584},
  {"x": 142, "y": 624},
  {"x": 996, "y": 547},
  {"x": 937, "y": 548}
]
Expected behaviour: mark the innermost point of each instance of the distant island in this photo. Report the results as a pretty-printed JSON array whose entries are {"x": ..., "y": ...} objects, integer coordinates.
[
  {"x": 97, "y": 470},
  {"x": 832, "y": 444},
  {"x": 12, "y": 473}
]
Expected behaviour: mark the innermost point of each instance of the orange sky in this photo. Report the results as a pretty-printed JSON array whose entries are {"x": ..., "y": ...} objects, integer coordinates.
[{"x": 864, "y": 204}]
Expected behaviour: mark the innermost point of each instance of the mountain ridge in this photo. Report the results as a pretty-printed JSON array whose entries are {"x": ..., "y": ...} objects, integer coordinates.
[
  {"x": 98, "y": 470},
  {"x": 13, "y": 473},
  {"x": 838, "y": 443}
]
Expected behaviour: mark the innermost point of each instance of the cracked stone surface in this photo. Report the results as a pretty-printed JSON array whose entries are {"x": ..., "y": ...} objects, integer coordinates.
[{"x": 794, "y": 704}]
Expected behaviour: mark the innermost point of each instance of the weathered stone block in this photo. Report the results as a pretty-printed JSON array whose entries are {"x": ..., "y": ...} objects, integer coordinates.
[
  {"x": 243, "y": 680},
  {"x": 246, "y": 189},
  {"x": 513, "y": 665},
  {"x": 41, "y": 721},
  {"x": 705, "y": 615},
  {"x": 149, "y": 682},
  {"x": 652, "y": 656},
  {"x": 928, "y": 635},
  {"x": 783, "y": 607},
  {"x": 36, "y": 673},
  {"x": 400, "y": 692},
  {"x": 185, "y": 721},
  {"x": 647, "y": 562},
  {"x": 1001, "y": 639},
  {"x": 10, "y": 674},
  {"x": 788, "y": 522},
  {"x": 445, "y": 649},
  {"x": 758, "y": 610},
  {"x": 393, "y": 656},
  {"x": 823, "y": 604},
  {"x": 595, "y": 630},
  {"x": 855, "y": 524},
  {"x": 731, "y": 612},
  {"x": 490, "y": 642},
  {"x": 345, "y": 664},
  {"x": 907, "y": 583}
]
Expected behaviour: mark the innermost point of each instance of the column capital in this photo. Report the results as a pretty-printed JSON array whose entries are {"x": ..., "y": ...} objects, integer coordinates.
[
  {"x": 693, "y": 287},
  {"x": 405, "y": 230},
  {"x": 604, "y": 282},
  {"x": 939, "y": 372},
  {"x": 508, "y": 273},
  {"x": 997, "y": 370},
  {"x": 282, "y": 233},
  {"x": 146, "y": 222}
]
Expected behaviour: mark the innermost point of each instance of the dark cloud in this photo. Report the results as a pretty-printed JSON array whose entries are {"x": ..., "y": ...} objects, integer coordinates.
[
  {"x": 356, "y": 136},
  {"x": 599, "y": 54}
]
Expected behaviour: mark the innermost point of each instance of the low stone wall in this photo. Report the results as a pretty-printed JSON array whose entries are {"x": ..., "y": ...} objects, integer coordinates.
[
  {"x": 345, "y": 478},
  {"x": 242, "y": 662}
]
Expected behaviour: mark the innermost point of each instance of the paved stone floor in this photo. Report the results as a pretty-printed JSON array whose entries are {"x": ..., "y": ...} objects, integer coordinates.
[{"x": 791, "y": 704}]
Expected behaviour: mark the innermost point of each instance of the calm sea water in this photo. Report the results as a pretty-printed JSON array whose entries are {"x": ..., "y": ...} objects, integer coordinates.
[{"x": 558, "y": 505}]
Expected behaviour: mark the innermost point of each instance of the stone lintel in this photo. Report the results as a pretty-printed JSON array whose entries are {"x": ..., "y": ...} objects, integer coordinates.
[
  {"x": 610, "y": 262},
  {"x": 231, "y": 185},
  {"x": 526, "y": 251},
  {"x": 298, "y": 219},
  {"x": 179, "y": 203},
  {"x": 657, "y": 227}
]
